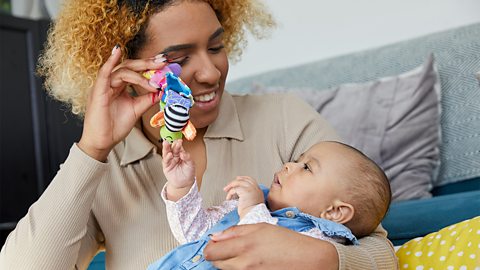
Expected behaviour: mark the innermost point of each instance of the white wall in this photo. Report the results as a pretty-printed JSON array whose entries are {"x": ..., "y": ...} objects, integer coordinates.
[{"x": 310, "y": 30}]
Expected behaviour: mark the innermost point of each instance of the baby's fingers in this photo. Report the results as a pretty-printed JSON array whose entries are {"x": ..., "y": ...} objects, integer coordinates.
[
  {"x": 232, "y": 194},
  {"x": 166, "y": 152}
]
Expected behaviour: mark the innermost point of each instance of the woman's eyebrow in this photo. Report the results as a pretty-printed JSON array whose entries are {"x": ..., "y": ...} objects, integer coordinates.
[
  {"x": 180, "y": 47},
  {"x": 216, "y": 34}
]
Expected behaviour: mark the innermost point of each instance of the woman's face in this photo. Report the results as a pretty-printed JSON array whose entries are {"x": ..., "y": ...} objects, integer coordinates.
[{"x": 190, "y": 34}]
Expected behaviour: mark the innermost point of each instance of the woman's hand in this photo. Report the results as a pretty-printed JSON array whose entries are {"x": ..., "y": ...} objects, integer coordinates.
[
  {"x": 248, "y": 192},
  {"x": 111, "y": 111},
  {"x": 265, "y": 246}
]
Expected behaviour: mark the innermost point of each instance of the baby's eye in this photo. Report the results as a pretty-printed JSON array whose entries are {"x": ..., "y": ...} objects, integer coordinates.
[{"x": 306, "y": 167}]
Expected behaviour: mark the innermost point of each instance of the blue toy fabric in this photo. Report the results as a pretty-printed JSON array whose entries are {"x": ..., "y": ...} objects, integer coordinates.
[{"x": 190, "y": 255}]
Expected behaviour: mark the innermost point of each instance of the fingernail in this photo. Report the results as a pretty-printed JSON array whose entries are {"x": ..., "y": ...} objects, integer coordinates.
[
  {"x": 115, "y": 49},
  {"x": 159, "y": 58},
  {"x": 153, "y": 84}
]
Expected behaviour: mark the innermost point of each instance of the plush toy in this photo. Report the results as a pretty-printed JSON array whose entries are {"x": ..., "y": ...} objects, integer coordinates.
[{"x": 176, "y": 101}]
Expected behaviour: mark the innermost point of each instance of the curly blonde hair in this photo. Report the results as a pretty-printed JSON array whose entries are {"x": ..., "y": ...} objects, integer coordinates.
[{"x": 83, "y": 35}]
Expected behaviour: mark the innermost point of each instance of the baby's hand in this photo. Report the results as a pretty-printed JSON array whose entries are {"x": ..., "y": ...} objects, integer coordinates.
[
  {"x": 248, "y": 192},
  {"x": 178, "y": 167}
]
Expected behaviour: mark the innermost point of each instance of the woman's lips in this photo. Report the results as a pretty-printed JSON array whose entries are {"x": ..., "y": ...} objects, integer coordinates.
[
  {"x": 205, "y": 98},
  {"x": 207, "y": 101}
]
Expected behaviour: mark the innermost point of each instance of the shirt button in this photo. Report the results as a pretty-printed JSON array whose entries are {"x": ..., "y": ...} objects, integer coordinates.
[
  {"x": 196, "y": 258},
  {"x": 290, "y": 214}
]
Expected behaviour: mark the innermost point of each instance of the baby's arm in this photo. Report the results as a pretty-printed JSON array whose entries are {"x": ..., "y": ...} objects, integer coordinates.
[
  {"x": 187, "y": 219},
  {"x": 179, "y": 169},
  {"x": 248, "y": 192}
]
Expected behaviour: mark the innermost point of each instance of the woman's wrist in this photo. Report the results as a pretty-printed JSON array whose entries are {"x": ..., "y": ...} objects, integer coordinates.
[{"x": 98, "y": 154}]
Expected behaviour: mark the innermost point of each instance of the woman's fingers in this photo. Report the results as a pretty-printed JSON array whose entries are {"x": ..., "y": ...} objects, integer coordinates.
[
  {"x": 121, "y": 77},
  {"x": 108, "y": 67},
  {"x": 142, "y": 103},
  {"x": 103, "y": 77},
  {"x": 139, "y": 65}
]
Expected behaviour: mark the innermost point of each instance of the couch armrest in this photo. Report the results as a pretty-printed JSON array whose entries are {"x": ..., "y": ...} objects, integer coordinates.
[{"x": 409, "y": 219}]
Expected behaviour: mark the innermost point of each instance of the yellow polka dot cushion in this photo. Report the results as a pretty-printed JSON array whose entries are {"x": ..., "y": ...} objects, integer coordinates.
[{"x": 453, "y": 247}]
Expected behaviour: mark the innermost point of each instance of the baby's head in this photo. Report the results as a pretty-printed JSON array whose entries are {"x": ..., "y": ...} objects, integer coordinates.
[{"x": 336, "y": 182}]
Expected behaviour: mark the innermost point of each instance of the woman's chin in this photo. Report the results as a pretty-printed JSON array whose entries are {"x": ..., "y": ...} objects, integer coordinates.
[{"x": 204, "y": 113}]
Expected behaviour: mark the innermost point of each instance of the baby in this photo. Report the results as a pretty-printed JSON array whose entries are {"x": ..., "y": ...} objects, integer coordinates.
[{"x": 332, "y": 192}]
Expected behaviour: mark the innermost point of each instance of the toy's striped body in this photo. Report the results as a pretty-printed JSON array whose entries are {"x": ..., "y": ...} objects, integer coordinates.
[{"x": 173, "y": 117}]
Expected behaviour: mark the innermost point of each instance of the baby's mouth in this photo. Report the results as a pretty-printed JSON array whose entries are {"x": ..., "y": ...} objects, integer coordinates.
[{"x": 276, "y": 180}]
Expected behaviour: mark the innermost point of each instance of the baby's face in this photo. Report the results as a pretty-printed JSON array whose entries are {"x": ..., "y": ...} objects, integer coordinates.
[{"x": 313, "y": 182}]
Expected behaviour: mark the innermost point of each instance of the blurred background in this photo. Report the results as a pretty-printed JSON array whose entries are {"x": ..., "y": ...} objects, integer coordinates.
[{"x": 310, "y": 30}]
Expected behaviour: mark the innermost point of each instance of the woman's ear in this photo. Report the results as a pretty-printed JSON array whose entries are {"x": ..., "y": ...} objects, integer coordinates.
[{"x": 340, "y": 212}]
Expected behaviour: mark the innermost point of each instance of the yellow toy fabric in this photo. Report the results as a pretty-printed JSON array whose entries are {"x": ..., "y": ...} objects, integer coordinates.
[{"x": 453, "y": 247}]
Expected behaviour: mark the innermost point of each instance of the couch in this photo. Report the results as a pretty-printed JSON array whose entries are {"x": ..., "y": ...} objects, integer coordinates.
[
  {"x": 455, "y": 197},
  {"x": 455, "y": 183}
]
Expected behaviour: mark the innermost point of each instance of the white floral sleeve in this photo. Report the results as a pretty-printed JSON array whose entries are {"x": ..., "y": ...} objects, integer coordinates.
[
  {"x": 188, "y": 220},
  {"x": 258, "y": 214}
]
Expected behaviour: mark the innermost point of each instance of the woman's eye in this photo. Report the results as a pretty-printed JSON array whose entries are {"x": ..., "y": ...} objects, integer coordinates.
[
  {"x": 216, "y": 49},
  {"x": 181, "y": 61}
]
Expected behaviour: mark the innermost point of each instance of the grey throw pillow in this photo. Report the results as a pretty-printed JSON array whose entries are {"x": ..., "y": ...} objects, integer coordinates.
[{"x": 393, "y": 120}]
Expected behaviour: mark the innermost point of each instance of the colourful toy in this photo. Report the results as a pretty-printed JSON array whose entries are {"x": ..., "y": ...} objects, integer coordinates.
[{"x": 176, "y": 101}]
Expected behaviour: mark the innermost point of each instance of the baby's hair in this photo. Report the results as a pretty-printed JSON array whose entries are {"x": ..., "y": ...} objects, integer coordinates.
[
  {"x": 368, "y": 190},
  {"x": 83, "y": 35}
]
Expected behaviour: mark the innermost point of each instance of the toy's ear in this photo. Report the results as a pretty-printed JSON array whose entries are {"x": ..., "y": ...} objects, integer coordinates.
[
  {"x": 340, "y": 212},
  {"x": 158, "y": 119}
]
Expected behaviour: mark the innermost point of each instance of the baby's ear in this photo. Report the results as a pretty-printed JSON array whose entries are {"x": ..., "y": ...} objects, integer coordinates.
[{"x": 340, "y": 212}]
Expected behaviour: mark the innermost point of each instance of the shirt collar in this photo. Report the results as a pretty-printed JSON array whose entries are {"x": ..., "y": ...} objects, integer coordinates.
[
  {"x": 137, "y": 146},
  {"x": 227, "y": 125}
]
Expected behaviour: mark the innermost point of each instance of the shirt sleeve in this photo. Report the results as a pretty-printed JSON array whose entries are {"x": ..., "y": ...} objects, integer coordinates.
[
  {"x": 58, "y": 231},
  {"x": 374, "y": 252},
  {"x": 187, "y": 218},
  {"x": 258, "y": 214}
]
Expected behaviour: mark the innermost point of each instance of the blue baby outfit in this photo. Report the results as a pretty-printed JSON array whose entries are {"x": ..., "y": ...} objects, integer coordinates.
[{"x": 190, "y": 255}]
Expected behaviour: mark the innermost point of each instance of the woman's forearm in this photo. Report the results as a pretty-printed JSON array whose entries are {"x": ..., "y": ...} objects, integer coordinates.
[
  {"x": 265, "y": 246},
  {"x": 49, "y": 236}
]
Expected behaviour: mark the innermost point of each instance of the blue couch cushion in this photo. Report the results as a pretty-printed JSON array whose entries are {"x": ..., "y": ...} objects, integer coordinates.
[
  {"x": 409, "y": 219},
  {"x": 98, "y": 262}
]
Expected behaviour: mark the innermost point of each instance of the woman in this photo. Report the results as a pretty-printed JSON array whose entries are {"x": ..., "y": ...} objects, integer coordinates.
[{"x": 107, "y": 193}]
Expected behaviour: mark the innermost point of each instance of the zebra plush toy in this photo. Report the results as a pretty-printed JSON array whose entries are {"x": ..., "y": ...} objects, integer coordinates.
[{"x": 173, "y": 117}]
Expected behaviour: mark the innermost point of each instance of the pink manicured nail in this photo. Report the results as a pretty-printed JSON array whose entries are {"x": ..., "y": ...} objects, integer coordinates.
[{"x": 159, "y": 58}]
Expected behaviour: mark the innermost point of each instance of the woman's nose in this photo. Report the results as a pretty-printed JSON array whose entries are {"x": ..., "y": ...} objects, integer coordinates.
[{"x": 207, "y": 72}]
